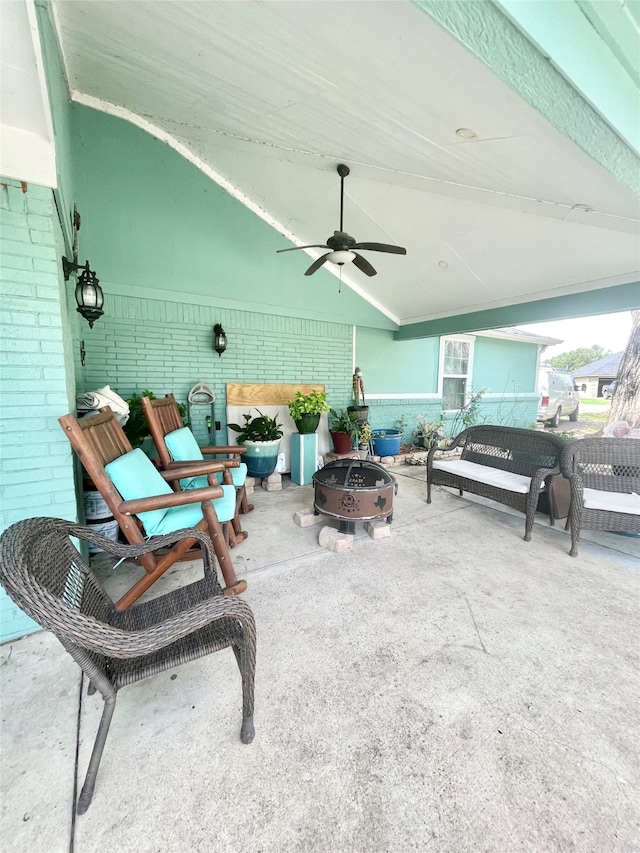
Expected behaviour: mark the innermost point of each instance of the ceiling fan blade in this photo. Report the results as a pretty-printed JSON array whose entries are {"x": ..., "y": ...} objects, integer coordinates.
[
  {"x": 363, "y": 265},
  {"x": 317, "y": 264},
  {"x": 295, "y": 248},
  {"x": 381, "y": 247}
]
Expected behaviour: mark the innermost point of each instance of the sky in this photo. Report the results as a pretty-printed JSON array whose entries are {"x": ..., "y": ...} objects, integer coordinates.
[{"x": 611, "y": 331}]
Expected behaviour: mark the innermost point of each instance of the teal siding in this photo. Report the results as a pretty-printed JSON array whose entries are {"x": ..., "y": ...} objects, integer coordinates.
[
  {"x": 504, "y": 367},
  {"x": 37, "y": 469},
  {"x": 155, "y": 226},
  {"x": 396, "y": 367}
]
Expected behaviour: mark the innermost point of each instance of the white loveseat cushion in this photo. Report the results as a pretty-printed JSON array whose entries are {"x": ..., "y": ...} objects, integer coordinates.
[
  {"x": 611, "y": 501},
  {"x": 484, "y": 474}
]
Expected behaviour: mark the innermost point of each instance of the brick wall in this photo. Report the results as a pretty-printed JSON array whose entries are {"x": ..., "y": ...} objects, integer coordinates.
[
  {"x": 167, "y": 346},
  {"x": 35, "y": 457}
]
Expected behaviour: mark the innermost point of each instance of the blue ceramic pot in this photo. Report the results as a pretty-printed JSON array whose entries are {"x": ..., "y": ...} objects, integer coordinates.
[{"x": 261, "y": 457}]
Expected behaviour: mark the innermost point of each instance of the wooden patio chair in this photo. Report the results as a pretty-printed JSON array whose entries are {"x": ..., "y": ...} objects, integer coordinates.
[
  {"x": 176, "y": 446},
  {"x": 604, "y": 477},
  {"x": 144, "y": 504},
  {"x": 45, "y": 575}
]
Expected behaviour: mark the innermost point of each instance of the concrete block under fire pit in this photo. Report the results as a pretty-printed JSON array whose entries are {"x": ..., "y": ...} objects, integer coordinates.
[
  {"x": 306, "y": 518},
  {"x": 333, "y": 540},
  {"x": 378, "y": 529}
]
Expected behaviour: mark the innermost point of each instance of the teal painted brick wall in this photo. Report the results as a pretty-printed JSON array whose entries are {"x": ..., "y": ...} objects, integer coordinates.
[
  {"x": 35, "y": 458},
  {"x": 167, "y": 347}
]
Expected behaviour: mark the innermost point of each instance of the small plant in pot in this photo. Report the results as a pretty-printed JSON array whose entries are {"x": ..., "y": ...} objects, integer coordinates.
[
  {"x": 261, "y": 436},
  {"x": 136, "y": 428},
  {"x": 429, "y": 433},
  {"x": 365, "y": 435},
  {"x": 344, "y": 428},
  {"x": 305, "y": 410}
]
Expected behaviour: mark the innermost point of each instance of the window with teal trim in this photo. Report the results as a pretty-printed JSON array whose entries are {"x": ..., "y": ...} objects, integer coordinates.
[{"x": 456, "y": 361}]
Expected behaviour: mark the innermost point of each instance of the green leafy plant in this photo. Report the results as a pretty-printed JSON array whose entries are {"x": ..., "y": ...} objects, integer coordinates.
[
  {"x": 364, "y": 434},
  {"x": 469, "y": 414},
  {"x": 341, "y": 420},
  {"x": 260, "y": 428},
  {"x": 429, "y": 432},
  {"x": 136, "y": 428},
  {"x": 313, "y": 403}
]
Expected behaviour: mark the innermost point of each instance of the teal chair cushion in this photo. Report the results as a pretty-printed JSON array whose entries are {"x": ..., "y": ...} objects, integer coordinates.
[
  {"x": 182, "y": 445},
  {"x": 135, "y": 476},
  {"x": 238, "y": 476},
  {"x": 225, "y": 506},
  {"x": 183, "y": 516}
]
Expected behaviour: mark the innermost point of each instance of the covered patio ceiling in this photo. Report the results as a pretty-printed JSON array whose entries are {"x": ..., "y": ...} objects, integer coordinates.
[{"x": 494, "y": 204}]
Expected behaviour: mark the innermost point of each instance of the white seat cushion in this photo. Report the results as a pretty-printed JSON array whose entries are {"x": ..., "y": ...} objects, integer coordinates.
[
  {"x": 611, "y": 501},
  {"x": 484, "y": 474}
]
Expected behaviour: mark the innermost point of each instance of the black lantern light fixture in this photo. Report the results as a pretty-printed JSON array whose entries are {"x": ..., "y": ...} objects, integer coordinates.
[
  {"x": 219, "y": 339},
  {"x": 89, "y": 295}
]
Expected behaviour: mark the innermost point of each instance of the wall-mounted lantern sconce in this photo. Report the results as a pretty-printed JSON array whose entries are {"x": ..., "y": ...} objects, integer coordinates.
[
  {"x": 219, "y": 339},
  {"x": 89, "y": 295}
]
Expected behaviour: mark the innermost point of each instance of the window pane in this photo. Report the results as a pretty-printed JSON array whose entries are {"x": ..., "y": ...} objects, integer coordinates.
[
  {"x": 453, "y": 393},
  {"x": 456, "y": 357}
]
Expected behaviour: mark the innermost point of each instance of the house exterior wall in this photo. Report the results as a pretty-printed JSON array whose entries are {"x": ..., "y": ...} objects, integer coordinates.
[
  {"x": 165, "y": 346},
  {"x": 37, "y": 375}
]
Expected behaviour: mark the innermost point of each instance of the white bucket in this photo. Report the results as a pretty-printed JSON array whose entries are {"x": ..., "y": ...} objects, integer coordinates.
[
  {"x": 108, "y": 528},
  {"x": 95, "y": 507}
]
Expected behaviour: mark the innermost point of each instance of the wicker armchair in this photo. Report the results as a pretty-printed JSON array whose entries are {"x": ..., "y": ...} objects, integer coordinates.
[
  {"x": 43, "y": 572},
  {"x": 604, "y": 476}
]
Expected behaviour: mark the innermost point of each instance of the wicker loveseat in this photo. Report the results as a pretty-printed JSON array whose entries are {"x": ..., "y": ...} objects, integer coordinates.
[{"x": 506, "y": 464}]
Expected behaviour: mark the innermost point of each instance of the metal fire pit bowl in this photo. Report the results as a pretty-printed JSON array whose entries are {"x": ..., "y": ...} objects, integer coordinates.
[{"x": 354, "y": 490}]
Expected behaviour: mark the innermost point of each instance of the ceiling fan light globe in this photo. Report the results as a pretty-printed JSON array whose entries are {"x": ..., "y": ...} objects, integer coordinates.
[{"x": 341, "y": 257}]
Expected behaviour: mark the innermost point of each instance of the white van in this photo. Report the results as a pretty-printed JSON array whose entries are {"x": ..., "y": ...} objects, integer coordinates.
[{"x": 557, "y": 396}]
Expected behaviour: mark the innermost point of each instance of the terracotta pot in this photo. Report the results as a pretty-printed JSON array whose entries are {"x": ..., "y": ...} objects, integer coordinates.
[{"x": 342, "y": 442}]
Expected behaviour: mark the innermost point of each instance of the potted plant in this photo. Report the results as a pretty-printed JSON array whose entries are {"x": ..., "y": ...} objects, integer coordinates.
[
  {"x": 365, "y": 435},
  {"x": 136, "y": 428},
  {"x": 387, "y": 442},
  {"x": 305, "y": 410},
  {"x": 344, "y": 428},
  {"x": 261, "y": 436},
  {"x": 429, "y": 433}
]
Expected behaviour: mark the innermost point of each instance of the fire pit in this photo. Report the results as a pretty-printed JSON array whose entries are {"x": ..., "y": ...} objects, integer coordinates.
[{"x": 354, "y": 490}]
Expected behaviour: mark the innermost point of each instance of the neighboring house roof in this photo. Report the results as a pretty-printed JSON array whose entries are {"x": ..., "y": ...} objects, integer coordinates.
[
  {"x": 607, "y": 366},
  {"x": 513, "y": 333}
]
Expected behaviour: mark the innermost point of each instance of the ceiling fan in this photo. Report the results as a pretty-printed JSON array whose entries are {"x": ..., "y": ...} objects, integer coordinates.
[{"x": 342, "y": 246}]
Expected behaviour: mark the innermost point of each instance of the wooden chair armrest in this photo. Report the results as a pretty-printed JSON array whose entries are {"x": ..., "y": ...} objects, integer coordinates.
[
  {"x": 190, "y": 496},
  {"x": 178, "y": 470},
  {"x": 231, "y": 448}
]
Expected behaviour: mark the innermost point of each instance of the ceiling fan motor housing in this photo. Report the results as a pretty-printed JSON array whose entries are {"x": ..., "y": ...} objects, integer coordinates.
[{"x": 340, "y": 241}]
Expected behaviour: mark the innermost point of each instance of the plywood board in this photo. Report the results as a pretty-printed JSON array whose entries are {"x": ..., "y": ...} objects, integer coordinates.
[{"x": 257, "y": 394}]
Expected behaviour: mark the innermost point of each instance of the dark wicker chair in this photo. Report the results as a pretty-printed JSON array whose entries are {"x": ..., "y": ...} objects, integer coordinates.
[
  {"x": 604, "y": 475},
  {"x": 524, "y": 452},
  {"x": 43, "y": 572}
]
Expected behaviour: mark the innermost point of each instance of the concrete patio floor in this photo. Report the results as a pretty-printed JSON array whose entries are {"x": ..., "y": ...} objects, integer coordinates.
[{"x": 450, "y": 688}]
